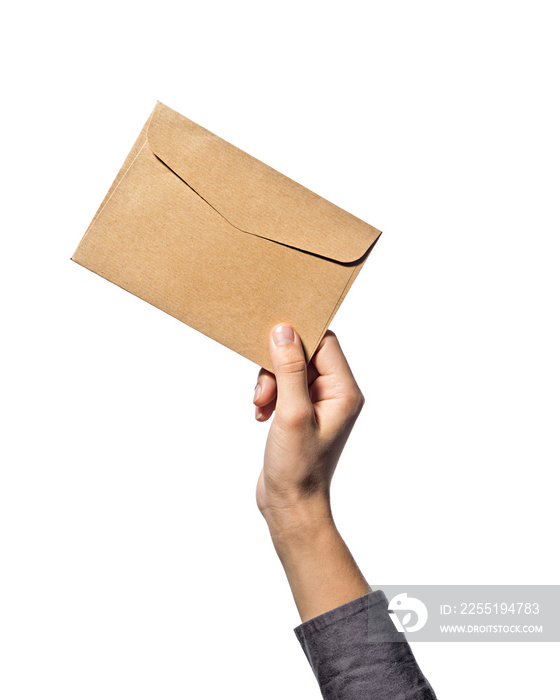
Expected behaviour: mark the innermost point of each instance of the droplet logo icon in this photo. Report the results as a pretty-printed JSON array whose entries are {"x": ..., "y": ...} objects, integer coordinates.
[{"x": 414, "y": 610}]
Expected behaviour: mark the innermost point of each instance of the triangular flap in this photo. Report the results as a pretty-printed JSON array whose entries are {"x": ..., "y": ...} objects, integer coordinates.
[{"x": 252, "y": 196}]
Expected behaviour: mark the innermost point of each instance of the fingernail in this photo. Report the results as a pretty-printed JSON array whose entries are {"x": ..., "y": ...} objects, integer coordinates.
[
  {"x": 257, "y": 392},
  {"x": 283, "y": 335},
  {"x": 258, "y": 413}
]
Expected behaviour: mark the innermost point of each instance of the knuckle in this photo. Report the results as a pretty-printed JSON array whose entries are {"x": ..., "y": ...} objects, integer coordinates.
[
  {"x": 328, "y": 339},
  {"x": 354, "y": 401},
  {"x": 292, "y": 365},
  {"x": 298, "y": 416}
]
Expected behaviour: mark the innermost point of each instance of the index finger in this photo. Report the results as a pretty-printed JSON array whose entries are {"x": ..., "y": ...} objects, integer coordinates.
[{"x": 330, "y": 360}]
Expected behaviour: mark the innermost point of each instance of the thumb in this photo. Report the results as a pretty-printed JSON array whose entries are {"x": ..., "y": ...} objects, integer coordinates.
[{"x": 290, "y": 368}]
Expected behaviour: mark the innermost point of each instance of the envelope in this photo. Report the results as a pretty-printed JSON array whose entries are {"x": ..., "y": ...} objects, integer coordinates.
[{"x": 221, "y": 241}]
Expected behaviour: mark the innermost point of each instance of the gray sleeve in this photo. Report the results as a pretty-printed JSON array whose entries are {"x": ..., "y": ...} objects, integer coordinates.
[{"x": 350, "y": 666}]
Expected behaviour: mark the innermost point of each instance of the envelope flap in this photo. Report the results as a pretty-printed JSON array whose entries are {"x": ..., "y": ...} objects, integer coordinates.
[{"x": 252, "y": 196}]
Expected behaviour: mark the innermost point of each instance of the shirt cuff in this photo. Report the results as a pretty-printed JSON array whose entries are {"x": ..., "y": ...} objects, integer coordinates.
[{"x": 350, "y": 665}]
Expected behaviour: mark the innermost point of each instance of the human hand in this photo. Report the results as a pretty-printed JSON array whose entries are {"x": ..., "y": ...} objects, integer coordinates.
[{"x": 315, "y": 409}]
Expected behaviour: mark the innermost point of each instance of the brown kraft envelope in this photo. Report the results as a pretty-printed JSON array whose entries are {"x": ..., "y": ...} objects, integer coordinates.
[{"x": 221, "y": 241}]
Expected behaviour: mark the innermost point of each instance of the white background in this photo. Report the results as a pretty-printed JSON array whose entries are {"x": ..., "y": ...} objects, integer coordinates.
[{"x": 134, "y": 562}]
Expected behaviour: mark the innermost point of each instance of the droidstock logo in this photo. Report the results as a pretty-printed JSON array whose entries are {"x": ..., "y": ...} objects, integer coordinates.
[{"x": 415, "y": 613}]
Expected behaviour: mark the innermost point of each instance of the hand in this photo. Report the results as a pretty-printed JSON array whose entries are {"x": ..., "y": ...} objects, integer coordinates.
[{"x": 315, "y": 409}]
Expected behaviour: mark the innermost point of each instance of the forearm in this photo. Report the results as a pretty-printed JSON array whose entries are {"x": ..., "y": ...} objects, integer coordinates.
[
  {"x": 319, "y": 566},
  {"x": 337, "y": 613}
]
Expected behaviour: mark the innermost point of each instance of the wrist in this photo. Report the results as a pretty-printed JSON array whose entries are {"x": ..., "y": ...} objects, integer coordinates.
[{"x": 299, "y": 521}]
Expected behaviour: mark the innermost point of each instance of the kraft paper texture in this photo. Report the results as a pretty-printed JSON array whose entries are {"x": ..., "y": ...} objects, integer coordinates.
[{"x": 221, "y": 241}]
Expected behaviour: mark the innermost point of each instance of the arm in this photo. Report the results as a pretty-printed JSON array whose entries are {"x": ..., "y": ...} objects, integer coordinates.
[
  {"x": 315, "y": 412},
  {"x": 315, "y": 408}
]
